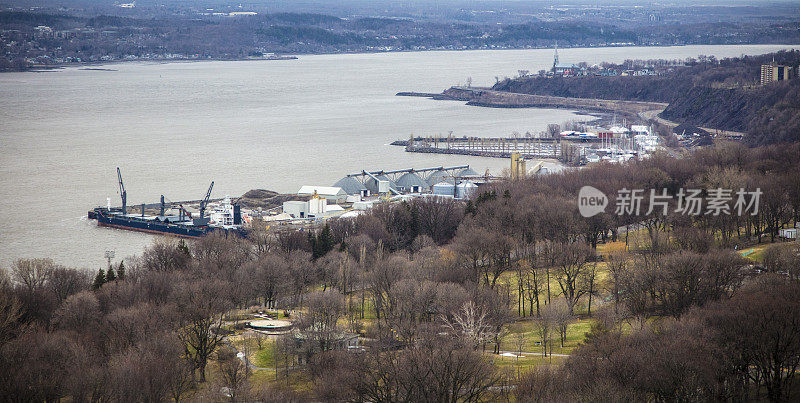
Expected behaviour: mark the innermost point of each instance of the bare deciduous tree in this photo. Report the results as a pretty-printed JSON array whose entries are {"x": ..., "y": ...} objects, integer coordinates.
[
  {"x": 557, "y": 314},
  {"x": 319, "y": 325},
  {"x": 233, "y": 374},
  {"x": 202, "y": 305},
  {"x": 571, "y": 265},
  {"x": 33, "y": 274},
  {"x": 471, "y": 322}
]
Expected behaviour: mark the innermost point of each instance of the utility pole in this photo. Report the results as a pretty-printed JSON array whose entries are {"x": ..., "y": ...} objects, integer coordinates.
[{"x": 109, "y": 256}]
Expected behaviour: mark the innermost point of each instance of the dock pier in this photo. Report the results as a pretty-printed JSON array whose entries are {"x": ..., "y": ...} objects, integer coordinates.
[{"x": 498, "y": 147}]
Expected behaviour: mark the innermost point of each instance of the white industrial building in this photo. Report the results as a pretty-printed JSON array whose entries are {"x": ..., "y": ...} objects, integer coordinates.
[
  {"x": 315, "y": 207},
  {"x": 336, "y": 194}
]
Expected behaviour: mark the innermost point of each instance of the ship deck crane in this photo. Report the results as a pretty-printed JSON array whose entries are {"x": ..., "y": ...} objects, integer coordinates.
[
  {"x": 122, "y": 193},
  {"x": 182, "y": 212},
  {"x": 204, "y": 202}
]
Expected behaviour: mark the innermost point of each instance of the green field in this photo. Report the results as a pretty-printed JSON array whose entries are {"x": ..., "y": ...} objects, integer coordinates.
[{"x": 576, "y": 333}]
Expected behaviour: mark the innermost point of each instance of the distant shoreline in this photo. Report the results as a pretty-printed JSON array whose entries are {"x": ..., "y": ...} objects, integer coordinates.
[
  {"x": 56, "y": 67},
  {"x": 295, "y": 56}
]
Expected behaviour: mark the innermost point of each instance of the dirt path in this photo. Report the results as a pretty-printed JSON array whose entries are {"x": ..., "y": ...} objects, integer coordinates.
[{"x": 531, "y": 353}]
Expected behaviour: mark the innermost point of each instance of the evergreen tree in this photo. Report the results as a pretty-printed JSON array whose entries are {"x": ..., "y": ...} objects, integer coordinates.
[
  {"x": 322, "y": 243},
  {"x": 325, "y": 240},
  {"x": 121, "y": 271},
  {"x": 183, "y": 247},
  {"x": 312, "y": 240},
  {"x": 99, "y": 280},
  {"x": 413, "y": 230},
  {"x": 470, "y": 208},
  {"x": 110, "y": 275}
]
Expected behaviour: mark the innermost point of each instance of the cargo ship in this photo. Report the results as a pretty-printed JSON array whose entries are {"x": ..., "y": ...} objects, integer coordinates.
[{"x": 227, "y": 217}]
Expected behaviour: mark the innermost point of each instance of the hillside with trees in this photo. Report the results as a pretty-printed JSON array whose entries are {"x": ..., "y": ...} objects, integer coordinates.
[
  {"x": 52, "y": 36},
  {"x": 440, "y": 291},
  {"x": 720, "y": 94}
]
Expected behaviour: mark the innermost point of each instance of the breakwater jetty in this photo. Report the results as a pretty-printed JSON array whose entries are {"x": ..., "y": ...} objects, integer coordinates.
[{"x": 478, "y": 96}]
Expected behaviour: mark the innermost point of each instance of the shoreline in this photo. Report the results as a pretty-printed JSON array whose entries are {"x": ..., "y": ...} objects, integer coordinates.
[
  {"x": 488, "y": 98},
  {"x": 88, "y": 65},
  {"x": 645, "y": 112},
  {"x": 294, "y": 56}
]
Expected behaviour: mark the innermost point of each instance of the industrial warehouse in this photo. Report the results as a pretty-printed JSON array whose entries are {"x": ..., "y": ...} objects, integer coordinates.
[
  {"x": 360, "y": 191},
  {"x": 350, "y": 196}
]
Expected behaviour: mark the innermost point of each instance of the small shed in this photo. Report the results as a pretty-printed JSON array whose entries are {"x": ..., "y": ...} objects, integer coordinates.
[
  {"x": 362, "y": 205},
  {"x": 788, "y": 233},
  {"x": 374, "y": 186}
]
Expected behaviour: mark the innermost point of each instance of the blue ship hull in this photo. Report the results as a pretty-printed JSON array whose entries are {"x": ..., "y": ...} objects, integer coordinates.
[{"x": 133, "y": 223}]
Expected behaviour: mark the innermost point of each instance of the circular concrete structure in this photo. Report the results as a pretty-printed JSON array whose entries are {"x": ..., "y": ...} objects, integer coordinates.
[{"x": 270, "y": 325}]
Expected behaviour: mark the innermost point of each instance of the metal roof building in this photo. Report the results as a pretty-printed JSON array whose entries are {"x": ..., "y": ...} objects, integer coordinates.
[
  {"x": 441, "y": 176},
  {"x": 352, "y": 186},
  {"x": 412, "y": 183},
  {"x": 325, "y": 192},
  {"x": 468, "y": 172}
]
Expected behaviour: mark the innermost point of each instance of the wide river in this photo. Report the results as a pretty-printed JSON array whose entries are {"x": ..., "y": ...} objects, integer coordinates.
[{"x": 175, "y": 127}]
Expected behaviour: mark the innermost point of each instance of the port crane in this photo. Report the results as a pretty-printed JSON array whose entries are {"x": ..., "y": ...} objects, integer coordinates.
[
  {"x": 123, "y": 194},
  {"x": 204, "y": 202},
  {"x": 183, "y": 212}
]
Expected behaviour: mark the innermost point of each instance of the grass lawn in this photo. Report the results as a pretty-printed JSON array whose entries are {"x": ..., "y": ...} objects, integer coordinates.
[
  {"x": 576, "y": 333},
  {"x": 755, "y": 253},
  {"x": 524, "y": 363},
  {"x": 510, "y": 279},
  {"x": 608, "y": 248},
  {"x": 265, "y": 357},
  {"x": 369, "y": 309},
  {"x": 297, "y": 380}
]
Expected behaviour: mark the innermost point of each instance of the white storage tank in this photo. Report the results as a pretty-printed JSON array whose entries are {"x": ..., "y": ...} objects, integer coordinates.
[
  {"x": 317, "y": 206},
  {"x": 444, "y": 189},
  {"x": 465, "y": 189}
]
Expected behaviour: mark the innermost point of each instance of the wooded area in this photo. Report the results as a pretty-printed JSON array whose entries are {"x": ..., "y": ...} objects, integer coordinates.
[
  {"x": 721, "y": 94},
  {"x": 435, "y": 288}
]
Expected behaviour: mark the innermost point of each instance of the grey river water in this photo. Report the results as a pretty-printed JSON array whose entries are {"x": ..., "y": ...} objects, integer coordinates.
[{"x": 174, "y": 127}]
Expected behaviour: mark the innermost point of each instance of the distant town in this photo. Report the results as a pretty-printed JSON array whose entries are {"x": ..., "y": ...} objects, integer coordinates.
[{"x": 41, "y": 37}]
